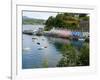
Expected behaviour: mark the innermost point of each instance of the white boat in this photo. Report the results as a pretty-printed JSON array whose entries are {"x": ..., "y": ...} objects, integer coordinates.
[
  {"x": 40, "y": 48},
  {"x": 27, "y": 49},
  {"x": 81, "y": 39}
]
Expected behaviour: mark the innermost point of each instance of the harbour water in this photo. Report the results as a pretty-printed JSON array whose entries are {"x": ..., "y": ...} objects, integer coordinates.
[{"x": 42, "y": 51}]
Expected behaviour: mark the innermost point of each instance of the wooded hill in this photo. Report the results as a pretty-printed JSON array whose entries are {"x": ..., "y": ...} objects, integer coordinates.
[
  {"x": 27, "y": 20},
  {"x": 65, "y": 20}
]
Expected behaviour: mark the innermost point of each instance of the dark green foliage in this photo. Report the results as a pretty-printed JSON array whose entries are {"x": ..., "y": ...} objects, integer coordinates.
[
  {"x": 63, "y": 20},
  {"x": 84, "y": 55},
  {"x": 49, "y": 23},
  {"x": 86, "y": 18},
  {"x": 74, "y": 57},
  {"x": 82, "y": 15},
  {"x": 69, "y": 56},
  {"x": 66, "y": 20}
]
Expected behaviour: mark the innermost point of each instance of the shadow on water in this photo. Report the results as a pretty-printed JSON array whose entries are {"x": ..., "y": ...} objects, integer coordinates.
[{"x": 74, "y": 53}]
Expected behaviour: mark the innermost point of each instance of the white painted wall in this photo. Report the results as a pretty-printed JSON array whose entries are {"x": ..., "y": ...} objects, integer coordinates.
[{"x": 5, "y": 32}]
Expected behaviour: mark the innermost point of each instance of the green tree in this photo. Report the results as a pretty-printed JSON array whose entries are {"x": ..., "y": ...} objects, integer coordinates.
[
  {"x": 84, "y": 55},
  {"x": 72, "y": 56},
  {"x": 69, "y": 58},
  {"x": 49, "y": 23},
  {"x": 62, "y": 20}
]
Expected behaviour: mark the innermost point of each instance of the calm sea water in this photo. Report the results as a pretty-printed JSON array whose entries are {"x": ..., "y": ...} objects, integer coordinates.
[{"x": 38, "y": 51}]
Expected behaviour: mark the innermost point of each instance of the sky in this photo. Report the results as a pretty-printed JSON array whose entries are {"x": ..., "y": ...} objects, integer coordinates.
[{"x": 38, "y": 15}]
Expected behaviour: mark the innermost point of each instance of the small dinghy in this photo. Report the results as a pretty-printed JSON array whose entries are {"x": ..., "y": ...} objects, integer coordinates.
[
  {"x": 34, "y": 38},
  {"x": 27, "y": 49},
  {"x": 38, "y": 43},
  {"x": 45, "y": 46},
  {"x": 40, "y": 48}
]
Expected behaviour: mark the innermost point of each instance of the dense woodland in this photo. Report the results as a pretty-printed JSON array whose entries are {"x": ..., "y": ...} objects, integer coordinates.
[{"x": 66, "y": 20}]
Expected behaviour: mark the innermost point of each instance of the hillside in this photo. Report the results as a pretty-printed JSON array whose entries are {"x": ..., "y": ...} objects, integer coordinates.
[{"x": 27, "y": 20}]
